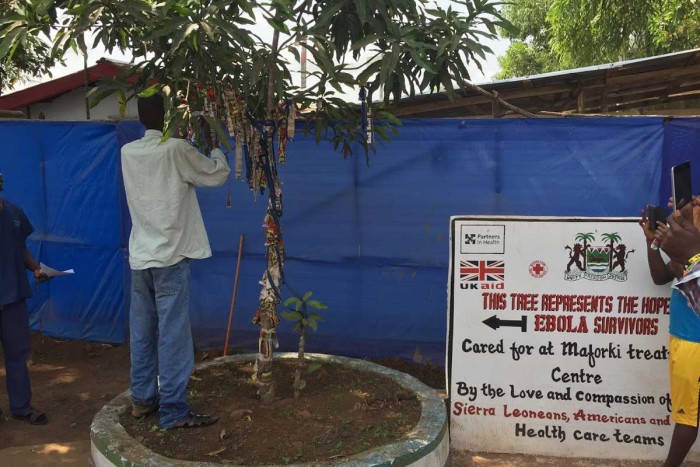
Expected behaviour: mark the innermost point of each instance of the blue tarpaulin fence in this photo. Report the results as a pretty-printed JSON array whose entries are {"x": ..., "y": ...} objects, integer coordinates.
[{"x": 371, "y": 241}]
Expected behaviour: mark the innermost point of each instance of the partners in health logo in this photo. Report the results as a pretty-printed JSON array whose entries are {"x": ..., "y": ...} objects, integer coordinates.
[
  {"x": 482, "y": 239},
  {"x": 597, "y": 262},
  {"x": 482, "y": 274}
]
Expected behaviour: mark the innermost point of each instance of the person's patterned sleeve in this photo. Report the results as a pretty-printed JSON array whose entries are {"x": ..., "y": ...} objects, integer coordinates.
[{"x": 689, "y": 285}]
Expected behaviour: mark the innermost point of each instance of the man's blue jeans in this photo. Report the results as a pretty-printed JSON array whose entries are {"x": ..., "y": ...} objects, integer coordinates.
[{"x": 161, "y": 339}]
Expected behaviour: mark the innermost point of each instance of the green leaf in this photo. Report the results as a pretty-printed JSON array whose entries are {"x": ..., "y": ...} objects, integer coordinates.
[
  {"x": 365, "y": 41},
  {"x": 9, "y": 40},
  {"x": 422, "y": 62},
  {"x": 442, "y": 46},
  {"x": 386, "y": 69},
  {"x": 295, "y": 52},
  {"x": 292, "y": 315},
  {"x": 291, "y": 300},
  {"x": 329, "y": 12},
  {"x": 170, "y": 27},
  {"x": 307, "y": 295},
  {"x": 381, "y": 131},
  {"x": 43, "y": 6},
  {"x": 98, "y": 94},
  {"x": 278, "y": 25},
  {"x": 247, "y": 6},
  {"x": 184, "y": 35},
  {"x": 395, "y": 55},
  {"x": 312, "y": 324},
  {"x": 316, "y": 316},
  {"x": 336, "y": 86},
  {"x": 173, "y": 125},
  {"x": 446, "y": 81},
  {"x": 361, "y": 6},
  {"x": 345, "y": 78},
  {"x": 316, "y": 304},
  {"x": 219, "y": 129},
  {"x": 122, "y": 103},
  {"x": 368, "y": 72},
  {"x": 150, "y": 91},
  {"x": 323, "y": 61},
  {"x": 382, "y": 114}
]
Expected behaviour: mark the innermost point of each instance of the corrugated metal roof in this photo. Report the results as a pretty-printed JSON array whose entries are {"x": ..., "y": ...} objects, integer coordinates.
[{"x": 612, "y": 87}]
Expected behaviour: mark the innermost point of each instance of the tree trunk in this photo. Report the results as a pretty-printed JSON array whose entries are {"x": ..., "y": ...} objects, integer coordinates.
[
  {"x": 266, "y": 315},
  {"x": 299, "y": 383}
]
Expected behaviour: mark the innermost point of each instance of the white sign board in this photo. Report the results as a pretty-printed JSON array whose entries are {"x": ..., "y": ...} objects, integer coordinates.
[{"x": 558, "y": 339}]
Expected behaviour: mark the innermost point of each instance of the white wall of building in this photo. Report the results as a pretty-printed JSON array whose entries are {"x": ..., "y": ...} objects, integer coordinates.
[{"x": 71, "y": 107}]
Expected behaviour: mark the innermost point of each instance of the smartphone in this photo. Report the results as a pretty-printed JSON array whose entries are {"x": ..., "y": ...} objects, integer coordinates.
[
  {"x": 655, "y": 214},
  {"x": 680, "y": 184}
]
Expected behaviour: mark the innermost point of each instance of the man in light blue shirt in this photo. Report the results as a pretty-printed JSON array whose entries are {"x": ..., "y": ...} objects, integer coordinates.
[{"x": 167, "y": 231}]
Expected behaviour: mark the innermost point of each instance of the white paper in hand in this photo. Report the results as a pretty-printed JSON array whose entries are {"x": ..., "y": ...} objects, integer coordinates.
[{"x": 51, "y": 272}]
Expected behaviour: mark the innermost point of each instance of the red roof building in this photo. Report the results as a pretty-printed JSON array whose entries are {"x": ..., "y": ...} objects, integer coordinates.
[{"x": 64, "y": 98}]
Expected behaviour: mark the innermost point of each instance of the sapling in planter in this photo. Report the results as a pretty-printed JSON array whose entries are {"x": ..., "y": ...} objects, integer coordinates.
[{"x": 303, "y": 319}]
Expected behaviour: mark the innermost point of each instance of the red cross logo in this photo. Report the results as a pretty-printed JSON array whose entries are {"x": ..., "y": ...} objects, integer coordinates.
[{"x": 538, "y": 269}]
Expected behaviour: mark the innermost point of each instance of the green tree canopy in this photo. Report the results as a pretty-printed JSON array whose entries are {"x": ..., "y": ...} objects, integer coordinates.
[
  {"x": 404, "y": 47},
  {"x": 551, "y": 35},
  {"x": 211, "y": 59},
  {"x": 30, "y": 57}
]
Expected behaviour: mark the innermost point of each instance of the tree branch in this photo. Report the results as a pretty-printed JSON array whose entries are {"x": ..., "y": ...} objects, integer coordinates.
[
  {"x": 494, "y": 97},
  {"x": 286, "y": 42}
]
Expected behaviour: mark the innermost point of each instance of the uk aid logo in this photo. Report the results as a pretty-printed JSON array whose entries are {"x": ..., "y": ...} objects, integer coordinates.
[{"x": 482, "y": 274}]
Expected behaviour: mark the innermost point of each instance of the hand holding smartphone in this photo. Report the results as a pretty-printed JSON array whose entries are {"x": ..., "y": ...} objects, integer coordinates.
[
  {"x": 680, "y": 185},
  {"x": 655, "y": 214}
]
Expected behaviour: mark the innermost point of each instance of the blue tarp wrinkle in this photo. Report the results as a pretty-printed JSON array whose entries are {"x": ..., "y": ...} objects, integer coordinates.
[{"x": 371, "y": 242}]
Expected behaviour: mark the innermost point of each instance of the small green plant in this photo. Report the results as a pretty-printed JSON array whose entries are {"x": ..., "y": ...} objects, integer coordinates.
[{"x": 298, "y": 312}]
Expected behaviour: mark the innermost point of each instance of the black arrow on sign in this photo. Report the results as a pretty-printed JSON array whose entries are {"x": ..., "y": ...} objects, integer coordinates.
[{"x": 495, "y": 323}]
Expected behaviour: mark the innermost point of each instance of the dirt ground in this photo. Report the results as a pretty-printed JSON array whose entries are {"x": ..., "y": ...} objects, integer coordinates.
[
  {"x": 339, "y": 413},
  {"x": 72, "y": 380}
]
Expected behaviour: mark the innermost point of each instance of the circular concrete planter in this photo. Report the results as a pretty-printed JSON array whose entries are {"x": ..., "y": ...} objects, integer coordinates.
[{"x": 426, "y": 446}]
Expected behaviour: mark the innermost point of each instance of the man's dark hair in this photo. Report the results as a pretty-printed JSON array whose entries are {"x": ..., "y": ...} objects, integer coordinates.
[{"x": 152, "y": 112}]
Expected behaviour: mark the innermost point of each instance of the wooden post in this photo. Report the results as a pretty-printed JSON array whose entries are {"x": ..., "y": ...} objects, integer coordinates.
[
  {"x": 233, "y": 295},
  {"x": 85, "y": 85},
  {"x": 604, "y": 100},
  {"x": 581, "y": 99}
]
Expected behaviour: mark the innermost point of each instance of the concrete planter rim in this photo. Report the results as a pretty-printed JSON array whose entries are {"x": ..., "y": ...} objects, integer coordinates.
[{"x": 111, "y": 441}]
